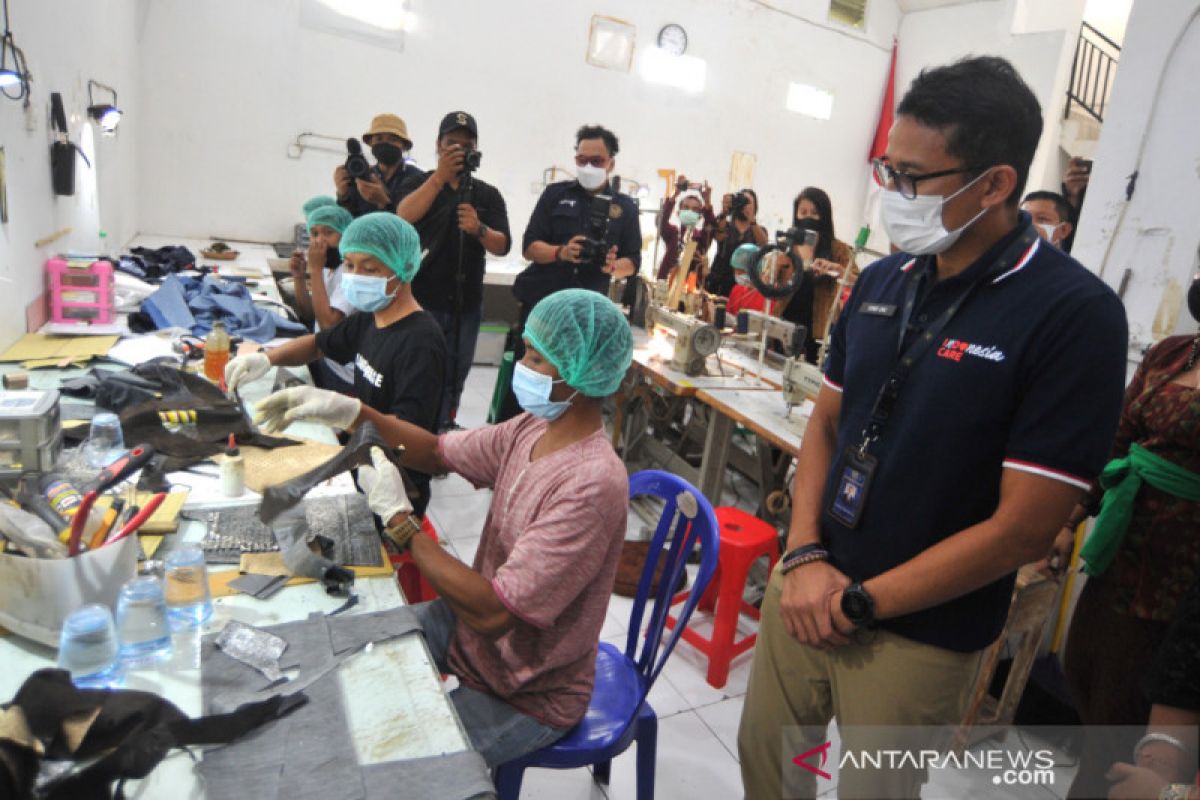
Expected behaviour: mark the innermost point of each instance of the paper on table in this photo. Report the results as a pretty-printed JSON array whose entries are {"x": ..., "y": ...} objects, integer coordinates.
[
  {"x": 40, "y": 347},
  {"x": 134, "y": 350},
  {"x": 119, "y": 328}
]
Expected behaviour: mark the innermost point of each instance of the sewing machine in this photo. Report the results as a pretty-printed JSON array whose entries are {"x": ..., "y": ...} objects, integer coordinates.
[
  {"x": 695, "y": 340},
  {"x": 801, "y": 381}
]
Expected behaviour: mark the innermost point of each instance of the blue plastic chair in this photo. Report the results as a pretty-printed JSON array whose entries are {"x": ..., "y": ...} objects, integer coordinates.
[{"x": 618, "y": 714}]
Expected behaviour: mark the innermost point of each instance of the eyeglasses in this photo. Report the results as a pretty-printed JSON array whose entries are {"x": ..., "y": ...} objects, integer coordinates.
[
  {"x": 595, "y": 161},
  {"x": 906, "y": 183}
]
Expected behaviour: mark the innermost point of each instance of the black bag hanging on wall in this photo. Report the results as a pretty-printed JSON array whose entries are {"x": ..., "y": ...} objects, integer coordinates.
[{"x": 62, "y": 150}]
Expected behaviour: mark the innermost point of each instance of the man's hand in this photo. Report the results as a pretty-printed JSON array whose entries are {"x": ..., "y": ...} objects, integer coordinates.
[
  {"x": 373, "y": 191},
  {"x": 307, "y": 404},
  {"x": 618, "y": 267},
  {"x": 244, "y": 369},
  {"x": 1055, "y": 564},
  {"x": 681, "y": 184},
  {"x": 571, "y": 251},
  {"x": 809, "y": 592},
  {"x": 1134, "y": 783},
  {"x": 1076, "y": 180},
  {"x": 726, "y": 205},
  {"x": 341, "y": 180},
  {"x": 384, "y": 486},
  {"x": 468, "y": 219},
  {"x": 316, "y": 255},
  {"x": 449, "y": 164},
  {"x": 296, "y": 266},
  {"x": 706, "y": 193}
]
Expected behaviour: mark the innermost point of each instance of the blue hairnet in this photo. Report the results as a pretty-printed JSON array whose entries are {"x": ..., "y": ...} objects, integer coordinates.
[
  {"x": 743, "y": 257},
  {"x": 317, "y": 202},
  {"x": 387, "y": 237},
  {"x": 585, "y": 337},
  {"x": 334, "y": 217}
]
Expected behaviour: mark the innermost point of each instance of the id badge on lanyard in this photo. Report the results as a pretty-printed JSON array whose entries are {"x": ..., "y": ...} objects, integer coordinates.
[{"x": 854, "y": 485}]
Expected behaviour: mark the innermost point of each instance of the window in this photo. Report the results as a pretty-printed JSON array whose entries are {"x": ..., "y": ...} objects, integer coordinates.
[
  {"x": 849, "y": 12},
  {"x": 378, "y": 22},
  {"x": 610, "y": 43},
  {"x": 809, "y": 100}
]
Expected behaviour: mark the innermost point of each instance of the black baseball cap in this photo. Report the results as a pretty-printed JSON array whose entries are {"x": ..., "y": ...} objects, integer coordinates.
[{"x": 455, "y": 120}]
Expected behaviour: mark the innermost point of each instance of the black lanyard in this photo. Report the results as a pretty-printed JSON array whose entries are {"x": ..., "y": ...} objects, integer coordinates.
[{"x": 885, "y": 402}]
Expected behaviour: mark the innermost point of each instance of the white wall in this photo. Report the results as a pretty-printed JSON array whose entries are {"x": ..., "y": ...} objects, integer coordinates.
[
  {"x": 227, "y": 84},
  {"x": 66, "y": 42},
  {"x": 1155, "y": 235},
  {"x": 1042, "y": 57}
]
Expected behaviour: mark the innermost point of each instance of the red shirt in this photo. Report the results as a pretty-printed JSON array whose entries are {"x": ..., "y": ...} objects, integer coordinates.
[
  {"x": 744, "y": 298},
  {"x": 550, "y": 547}
]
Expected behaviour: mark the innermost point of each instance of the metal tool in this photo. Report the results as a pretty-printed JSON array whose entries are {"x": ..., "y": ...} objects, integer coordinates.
[{"x": 695, "y": 340}]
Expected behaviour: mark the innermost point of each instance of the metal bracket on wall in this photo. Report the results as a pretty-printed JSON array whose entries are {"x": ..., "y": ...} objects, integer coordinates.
[{"x": 297, "y": 146}]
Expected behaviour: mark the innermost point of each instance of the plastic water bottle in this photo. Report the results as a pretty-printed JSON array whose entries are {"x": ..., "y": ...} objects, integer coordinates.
[
  {"x": 88, "y": 648},
  {"x": 142, "y": 623},
  {"x": 216, "y": 352},
  {"x": 189, "y": 602}
]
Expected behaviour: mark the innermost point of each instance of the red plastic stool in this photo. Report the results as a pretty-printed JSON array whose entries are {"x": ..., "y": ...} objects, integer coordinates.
[
  {"x": 744, "y": 539},
  {"x": 416, "y": 589}
]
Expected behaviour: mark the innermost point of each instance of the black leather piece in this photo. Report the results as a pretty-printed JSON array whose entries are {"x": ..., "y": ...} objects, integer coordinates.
[{"x": 357, "y": 452}]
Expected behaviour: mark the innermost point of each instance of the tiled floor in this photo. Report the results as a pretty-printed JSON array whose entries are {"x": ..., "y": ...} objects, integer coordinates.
[{"x": 697, "y": 735}]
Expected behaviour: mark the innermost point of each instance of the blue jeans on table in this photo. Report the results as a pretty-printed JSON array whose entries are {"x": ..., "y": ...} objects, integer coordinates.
[
  {"x": 498, "y": 731},
  {"x": 459, "y": 360}
]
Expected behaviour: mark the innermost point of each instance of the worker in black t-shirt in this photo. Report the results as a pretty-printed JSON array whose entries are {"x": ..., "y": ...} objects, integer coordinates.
[
  {"x": 459, "y": 218},
  {"x": 398, "y": 351}
]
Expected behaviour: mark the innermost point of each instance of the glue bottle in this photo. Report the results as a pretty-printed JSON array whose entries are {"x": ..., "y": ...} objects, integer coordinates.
[
  {"x": 233, "y": 470},
  {"x": 216, "y": 352},
  {"x": 65, "y": 499}
]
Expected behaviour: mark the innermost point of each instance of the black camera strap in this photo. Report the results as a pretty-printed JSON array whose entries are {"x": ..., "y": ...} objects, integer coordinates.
[{"x": 889, "y": 393}]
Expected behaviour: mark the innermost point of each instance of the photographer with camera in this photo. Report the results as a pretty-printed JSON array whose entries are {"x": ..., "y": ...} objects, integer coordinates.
[
  {"x": 695, "y": 214},
  {"x": 362, "y": 188},
  {"x": 737, "y": 226},
  {"x": 582, "y": 233},
  {"x": 460, "y": 219}
]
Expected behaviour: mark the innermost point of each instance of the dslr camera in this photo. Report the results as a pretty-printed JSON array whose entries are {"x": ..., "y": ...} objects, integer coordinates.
[
  {"x": 595, "y": 245},
  {"x": 740, "y": 201},
  {"x": 357, "y": 165},
  {"x": 471, "y": 159}
]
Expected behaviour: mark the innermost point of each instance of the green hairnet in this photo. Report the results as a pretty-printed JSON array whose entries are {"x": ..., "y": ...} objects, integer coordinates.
[
  {"x": 585, "y": 337},
  {"x": 387, "y": 237},
  {"x": 317, "y": 202},
  {"x": 743, "y": 257},
  {"x": 334, "y": 217}
]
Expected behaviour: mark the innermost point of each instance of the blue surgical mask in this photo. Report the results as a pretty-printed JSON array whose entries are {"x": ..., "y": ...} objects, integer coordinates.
[
  {"x": 689, "y": 218},
  {"x": 533, "y": 393},
  {"x": 366, "y": 292}
]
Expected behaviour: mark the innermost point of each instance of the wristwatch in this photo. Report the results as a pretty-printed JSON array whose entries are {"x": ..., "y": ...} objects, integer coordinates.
[
  {"x": 483, "y": 230},
  {"x": 858, "y": 605},
  {"x": 402, "y": 532}
]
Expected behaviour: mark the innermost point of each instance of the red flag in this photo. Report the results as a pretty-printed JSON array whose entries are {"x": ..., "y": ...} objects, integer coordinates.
[{"x": 887, "y": 112}]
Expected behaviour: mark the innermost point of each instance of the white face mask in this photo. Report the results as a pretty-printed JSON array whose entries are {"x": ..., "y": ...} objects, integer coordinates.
[
  {"x": 915, "y": 226},
  {"x": 1047, "y": 230},
  {"x": 590, "y": 177}
]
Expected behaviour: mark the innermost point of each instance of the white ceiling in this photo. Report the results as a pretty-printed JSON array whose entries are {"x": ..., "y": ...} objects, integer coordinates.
[{"x": 908, "y": 6}]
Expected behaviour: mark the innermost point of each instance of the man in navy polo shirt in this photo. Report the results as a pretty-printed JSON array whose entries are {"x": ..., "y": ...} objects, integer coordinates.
[{"x": 972, "y": 392}]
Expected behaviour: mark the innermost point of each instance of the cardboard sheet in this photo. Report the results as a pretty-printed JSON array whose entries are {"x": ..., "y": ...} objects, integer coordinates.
[
  {"x": 43, "y": 350},
  {"x": 271, "y": 467},
  {"x": 164, "y": 520}
]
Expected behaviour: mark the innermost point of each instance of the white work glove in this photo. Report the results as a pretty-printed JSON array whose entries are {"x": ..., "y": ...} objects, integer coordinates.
[
  {"x": 245, "y": 369},
  {"x": 306, "y": 404},
  {"x": 384, "y": 487}
]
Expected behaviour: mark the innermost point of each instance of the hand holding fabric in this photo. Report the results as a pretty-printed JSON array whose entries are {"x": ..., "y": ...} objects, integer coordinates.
[
  {"x": 307, "y": 404},
  {"x": 245, "y": 369},
  {"x": 384, "y": 487}
]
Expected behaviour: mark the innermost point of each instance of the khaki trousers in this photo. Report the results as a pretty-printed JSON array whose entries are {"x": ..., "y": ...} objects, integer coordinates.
[{"x": 795, "y": 690}]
